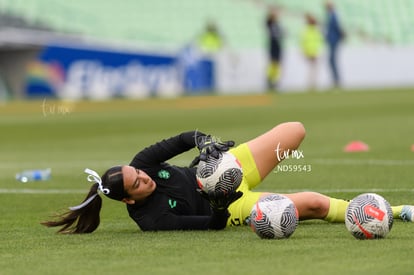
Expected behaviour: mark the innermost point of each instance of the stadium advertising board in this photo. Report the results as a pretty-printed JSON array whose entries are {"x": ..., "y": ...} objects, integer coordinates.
[{"x": 74, "y": 73}]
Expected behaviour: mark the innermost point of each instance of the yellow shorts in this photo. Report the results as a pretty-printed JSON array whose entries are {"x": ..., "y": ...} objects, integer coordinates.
[{"x": 240, "y": 209}]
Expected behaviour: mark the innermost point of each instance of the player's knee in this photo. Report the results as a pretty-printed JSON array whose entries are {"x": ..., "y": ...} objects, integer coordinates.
[
  {"x": 298, "y": 129},
  {"x": 295, "y": 128}
]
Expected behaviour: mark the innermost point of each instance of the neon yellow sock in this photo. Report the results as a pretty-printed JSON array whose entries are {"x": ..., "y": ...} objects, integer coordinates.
[
  {"x": 337, "y": 208},
  {"x": 273, "y": 72},
  {"x": 396, "y": 211}
]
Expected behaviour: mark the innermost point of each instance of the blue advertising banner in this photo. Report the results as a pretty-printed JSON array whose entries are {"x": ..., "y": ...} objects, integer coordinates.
[{"x": 74, "y": 73}]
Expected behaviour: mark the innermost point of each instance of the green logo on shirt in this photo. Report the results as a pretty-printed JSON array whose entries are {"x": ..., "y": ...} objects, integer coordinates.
[
  {"x": 172, "y": 203},
  {"x": 164, "y": 174}
]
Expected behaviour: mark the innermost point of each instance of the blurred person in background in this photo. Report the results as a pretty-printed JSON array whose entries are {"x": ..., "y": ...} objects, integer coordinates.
[
  {"x": 334, "y": 36},
  {"x": 311, "y": 45},
  {"x": 275, "y": 39},
  {"x": 210, "y": 41}
]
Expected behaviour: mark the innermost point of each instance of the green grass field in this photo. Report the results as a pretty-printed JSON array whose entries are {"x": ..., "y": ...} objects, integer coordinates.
[{"x": 69, "y": 137}]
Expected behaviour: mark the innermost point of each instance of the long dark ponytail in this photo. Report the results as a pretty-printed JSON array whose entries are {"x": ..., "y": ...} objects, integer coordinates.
[
  {"x": 81, "y": 220},
  {"x": 84, "y": 218}
]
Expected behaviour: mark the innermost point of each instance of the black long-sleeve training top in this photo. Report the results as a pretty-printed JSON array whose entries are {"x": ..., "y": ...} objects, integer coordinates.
[{"x": 175, "y": 204}]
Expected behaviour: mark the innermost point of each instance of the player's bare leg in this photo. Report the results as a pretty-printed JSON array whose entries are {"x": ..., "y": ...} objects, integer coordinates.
[
  {"x": 270, "y": 148},
  {"x": 310, "y": 205}
]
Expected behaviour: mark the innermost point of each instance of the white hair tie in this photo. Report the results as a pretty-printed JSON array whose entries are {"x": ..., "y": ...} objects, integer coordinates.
[{"x": 95, "y": 178}]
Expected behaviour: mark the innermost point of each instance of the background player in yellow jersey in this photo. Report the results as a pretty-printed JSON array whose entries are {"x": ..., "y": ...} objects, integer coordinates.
[{"x": 312, "y": 43}]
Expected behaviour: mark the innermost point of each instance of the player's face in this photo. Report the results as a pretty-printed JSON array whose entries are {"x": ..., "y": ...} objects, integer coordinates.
[{"x": 137, "y": 183}]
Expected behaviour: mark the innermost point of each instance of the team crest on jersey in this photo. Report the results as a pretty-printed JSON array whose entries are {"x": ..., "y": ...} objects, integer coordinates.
[{"x": 164, "y": 174}]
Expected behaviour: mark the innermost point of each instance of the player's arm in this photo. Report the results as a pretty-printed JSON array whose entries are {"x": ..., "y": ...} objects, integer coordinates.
[
  {"x": 219, "y": 202},
  {"x": 166, "y": 220},
  {"x": 170, "y": 221},
  {"x": 171, "y": 147},
  {"x": 166, "y": 149}
]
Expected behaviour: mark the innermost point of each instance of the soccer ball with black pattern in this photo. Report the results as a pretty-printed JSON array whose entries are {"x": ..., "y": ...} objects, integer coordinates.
[
  {"x": 274, "y": 217},
  {"x": 369, "y": 216},
  {"x": 222, "y": 174}
]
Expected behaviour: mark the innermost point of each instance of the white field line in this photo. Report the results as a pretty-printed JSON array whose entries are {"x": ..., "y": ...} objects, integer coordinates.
[
  {"x": 324, "y": 191},
  {"x": 373, "y": 162},
  {"x": 184, "y": 162},
  {"x": 43, "y": 191},
  {"x": 60, "y": 164},
  {"x": 352, "y": 190}
]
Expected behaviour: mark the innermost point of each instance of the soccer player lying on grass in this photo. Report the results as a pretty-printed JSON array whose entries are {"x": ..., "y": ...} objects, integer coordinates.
[{"x": 160, "y": 196}]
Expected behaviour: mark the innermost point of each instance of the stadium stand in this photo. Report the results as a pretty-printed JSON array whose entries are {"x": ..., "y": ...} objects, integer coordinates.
[
  {"x": 175, "y": 23},
  {"x": 380, "y": 28}
]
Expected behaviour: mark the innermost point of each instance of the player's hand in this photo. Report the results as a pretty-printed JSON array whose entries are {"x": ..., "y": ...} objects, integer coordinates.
[
  {"x": 210, "y": 146},
  {"x": 220, "y": 200}
]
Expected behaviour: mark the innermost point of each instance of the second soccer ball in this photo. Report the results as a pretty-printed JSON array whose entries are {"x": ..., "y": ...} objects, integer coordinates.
[
  {"x": 369, "y": 216},
  {"x": 274, "y": 217}
]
